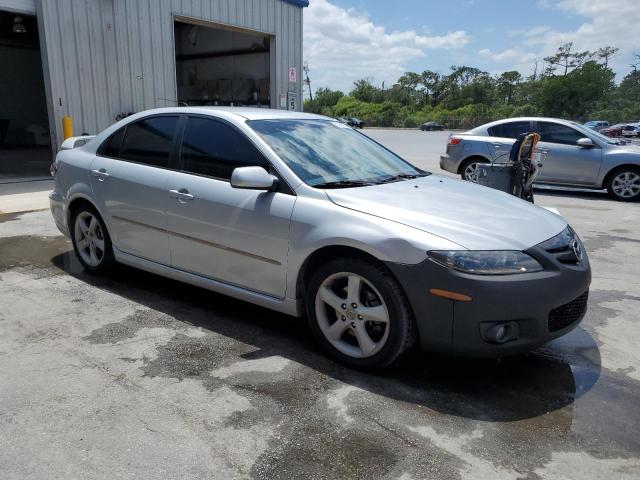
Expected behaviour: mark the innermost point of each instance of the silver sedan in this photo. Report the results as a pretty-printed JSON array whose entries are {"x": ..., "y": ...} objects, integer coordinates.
[
  {"x": 304, "y": 215},
  {"x": 574, "y": 155}
]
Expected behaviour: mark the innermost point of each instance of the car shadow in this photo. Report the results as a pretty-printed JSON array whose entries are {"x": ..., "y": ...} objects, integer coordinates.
[{"x": 503, "y": 390}]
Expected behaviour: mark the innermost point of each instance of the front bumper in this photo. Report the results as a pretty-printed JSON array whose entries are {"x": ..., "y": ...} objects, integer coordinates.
[
  {"x": 449, "y": 163},
  {"x": 524, "y": 301}
]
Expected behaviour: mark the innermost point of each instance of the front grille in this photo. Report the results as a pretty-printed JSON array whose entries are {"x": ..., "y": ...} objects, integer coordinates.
[
  {"x": 565, "y": 255},
  {"x": 565, "y": 247},
  {"x": 564, "y": 315}
]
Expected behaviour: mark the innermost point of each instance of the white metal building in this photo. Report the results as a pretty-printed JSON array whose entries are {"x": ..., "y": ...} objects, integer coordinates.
[{"x": 98, "y": 60}]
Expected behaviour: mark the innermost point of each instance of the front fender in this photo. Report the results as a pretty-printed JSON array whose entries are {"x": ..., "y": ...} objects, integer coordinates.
[{"x": 318, "y": 223}]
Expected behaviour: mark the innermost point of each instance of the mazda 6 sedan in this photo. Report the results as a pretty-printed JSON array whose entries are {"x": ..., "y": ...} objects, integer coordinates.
[{"x": 301, "y": 214}]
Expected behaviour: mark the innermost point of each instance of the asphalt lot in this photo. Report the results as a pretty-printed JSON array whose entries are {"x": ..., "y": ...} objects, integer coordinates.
[{"x": 136, "y": 376}]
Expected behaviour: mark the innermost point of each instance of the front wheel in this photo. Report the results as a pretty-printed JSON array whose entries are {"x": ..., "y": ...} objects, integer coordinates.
[
  {"x": 624, "y": 184},
  {"x": 359, "y": 313}
]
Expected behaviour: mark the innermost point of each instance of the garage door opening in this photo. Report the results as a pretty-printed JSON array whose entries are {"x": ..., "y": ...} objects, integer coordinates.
[
  {"x": 25, "y": 143},
  {"x": 222, "y": 66}
]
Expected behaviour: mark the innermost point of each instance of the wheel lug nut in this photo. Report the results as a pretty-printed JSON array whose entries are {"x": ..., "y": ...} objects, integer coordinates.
[
  {"x": 354, "y": 305},
  {"x": 343, "y": 318},
  {"x": 360, "y": 317},
  {"x": 344, "y": 306}
]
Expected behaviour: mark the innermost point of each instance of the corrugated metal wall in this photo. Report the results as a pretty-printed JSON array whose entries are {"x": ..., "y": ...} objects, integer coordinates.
[{"x": 106, "y": 57}]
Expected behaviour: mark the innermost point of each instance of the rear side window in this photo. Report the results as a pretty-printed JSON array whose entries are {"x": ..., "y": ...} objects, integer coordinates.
[
  {"x": 556, "y": 133},
  {"x": 509, "y": 129},
  {"x": 111, "y": 148},
  {"x": 214, "y": 149},
  {"x": 150, "y": 141}
]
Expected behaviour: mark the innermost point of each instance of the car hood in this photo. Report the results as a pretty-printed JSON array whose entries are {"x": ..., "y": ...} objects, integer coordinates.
[
  {"x": 626, "y": 148},
  {"x": 475, "y": 217}
]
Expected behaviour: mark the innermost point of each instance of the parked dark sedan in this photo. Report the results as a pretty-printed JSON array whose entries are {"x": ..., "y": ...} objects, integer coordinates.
[
  {"x": 431, "y": 126},
  {"x": 355, "y": 122}
]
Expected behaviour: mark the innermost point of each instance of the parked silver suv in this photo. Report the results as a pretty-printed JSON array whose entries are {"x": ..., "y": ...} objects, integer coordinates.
[
  {"x": 302, "y": 214},
  {"x": 575, "y": 156}
]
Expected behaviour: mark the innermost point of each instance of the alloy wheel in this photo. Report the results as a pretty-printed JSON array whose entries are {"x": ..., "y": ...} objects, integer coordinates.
[
  {"x": 352, "y": 315},
  {"x": 89, "y": 239},
  {"x": 471, "y": 172},
  {"x": 626, "y": 185}
]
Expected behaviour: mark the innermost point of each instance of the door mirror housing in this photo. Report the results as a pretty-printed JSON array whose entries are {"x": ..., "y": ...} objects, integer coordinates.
[
  {"x": 585, "y": 143},
  {"x": 253, "y": 178}
]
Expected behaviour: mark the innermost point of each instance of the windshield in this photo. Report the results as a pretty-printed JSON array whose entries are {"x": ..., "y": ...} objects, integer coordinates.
[
  {"x": 325, "y": 153},
  {"x": 595, "y": 134}
]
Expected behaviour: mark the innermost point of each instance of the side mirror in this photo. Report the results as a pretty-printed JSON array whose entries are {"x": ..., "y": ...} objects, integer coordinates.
[
  {"x": 253, "y": 178},
  {"x": 585, "y": 143}
]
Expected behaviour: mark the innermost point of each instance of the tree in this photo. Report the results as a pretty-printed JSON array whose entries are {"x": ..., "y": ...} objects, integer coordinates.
[
  {"x": 605, "y": 53},
  {"x": 507, "y": 82},
  {"x": 364, "y": 91},
  {"x": 574, "y": 94},
  {"x": 566, "y": 58}
]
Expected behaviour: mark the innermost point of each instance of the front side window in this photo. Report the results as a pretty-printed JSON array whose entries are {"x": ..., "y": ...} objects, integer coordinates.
[
  {"x": 322, "y": 152},
  {"x": 557, "y": 133},
  {"x": 150, "y": 141},
  {"x": 510, "y": 129},
  {"x": 215, "y": 149}
]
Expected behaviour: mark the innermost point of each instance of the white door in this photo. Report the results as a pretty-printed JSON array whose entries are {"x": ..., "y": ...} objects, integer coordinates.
[{"x": 240, "y": 237}]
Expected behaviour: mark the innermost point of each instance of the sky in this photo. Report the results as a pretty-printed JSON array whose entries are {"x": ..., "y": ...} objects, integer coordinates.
[{"x": 346, "y": 40}]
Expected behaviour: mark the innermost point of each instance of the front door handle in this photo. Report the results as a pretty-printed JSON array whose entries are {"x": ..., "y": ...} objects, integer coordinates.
[
  {"x": 182, "y": 195},
  {"x": 101, "y": 174}
]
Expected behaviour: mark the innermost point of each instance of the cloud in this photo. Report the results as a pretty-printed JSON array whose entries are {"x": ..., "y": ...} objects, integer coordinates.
[
  {"x": 509, "y": 55},
  {"x": 613, "y": 23},
  {"x": 343, "y": 45}
]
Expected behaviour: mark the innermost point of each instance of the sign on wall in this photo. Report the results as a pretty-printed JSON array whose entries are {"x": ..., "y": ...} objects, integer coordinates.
[
  {"x": 293, "y": 75},
  {"x": 292, "y": 101},
  {"x": 283, "y": 101}
]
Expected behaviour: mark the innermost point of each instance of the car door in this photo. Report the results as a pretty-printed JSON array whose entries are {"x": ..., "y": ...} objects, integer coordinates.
[
  {"x": 504, "y": 134},
  {"x": 129, "y": 179},
  {"x": 237, "y": 236},
  {"x": 564, "y": 161}
]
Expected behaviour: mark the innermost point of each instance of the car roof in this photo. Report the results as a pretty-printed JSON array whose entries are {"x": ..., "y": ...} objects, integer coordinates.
[
  {"x": 526, "y": 119},
  {"x": 247, "y": 113}
]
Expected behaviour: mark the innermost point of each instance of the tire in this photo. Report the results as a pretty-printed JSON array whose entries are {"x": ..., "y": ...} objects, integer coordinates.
[
  {"x": 344, "y": 332},
  {"x": 91, "y": 241},
  {"x": 467, "y": 168},
  {"x": 624, "y": 184}
]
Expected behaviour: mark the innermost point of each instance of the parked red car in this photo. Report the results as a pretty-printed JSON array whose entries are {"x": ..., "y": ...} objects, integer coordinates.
[{"x": 613, "y": 130}]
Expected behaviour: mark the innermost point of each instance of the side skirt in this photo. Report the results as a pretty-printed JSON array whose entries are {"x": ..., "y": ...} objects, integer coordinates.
[{"x": 287, "y": 306}]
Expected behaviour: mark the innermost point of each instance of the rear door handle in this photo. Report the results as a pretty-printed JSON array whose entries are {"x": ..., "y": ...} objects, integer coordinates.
[
  {"x": 182, "y": 195},
  {"x": 101, "y": 174}
]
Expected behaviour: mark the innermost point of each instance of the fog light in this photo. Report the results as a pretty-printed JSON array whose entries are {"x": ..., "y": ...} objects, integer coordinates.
[{"x": 502, "y": 332}]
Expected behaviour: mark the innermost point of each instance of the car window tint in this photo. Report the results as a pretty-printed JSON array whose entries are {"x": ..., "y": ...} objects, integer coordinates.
[
  {"x": 111, "y": 148},
  {"x": 214, "y": 149},
  {"x": 556, "y": 133},
  {"x": 150, "y": 141},
  {"x": 509, "y": 129}
]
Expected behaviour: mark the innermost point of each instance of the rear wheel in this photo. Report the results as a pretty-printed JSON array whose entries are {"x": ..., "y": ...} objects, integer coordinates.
[
  {"x": 624, "y": 184},
  {"x": 470, "y": 169},
  {"x": 359, "y": 313},
  {"x": 90, "y": 239}
]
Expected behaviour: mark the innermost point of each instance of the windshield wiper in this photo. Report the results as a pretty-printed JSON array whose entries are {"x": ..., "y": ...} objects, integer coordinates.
[
  {"x": 343, "y": 184},
  {"x": 402, "y": 176}
]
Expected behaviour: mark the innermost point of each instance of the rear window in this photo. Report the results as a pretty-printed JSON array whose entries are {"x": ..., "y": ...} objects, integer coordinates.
[
  {"x": 111, "y": 148},
  {"x": 150, "y": 141},
  {"x": 509, "y": 129}
]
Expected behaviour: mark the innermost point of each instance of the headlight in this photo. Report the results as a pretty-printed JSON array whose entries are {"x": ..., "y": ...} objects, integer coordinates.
[{"x": 487, "y": 262}]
